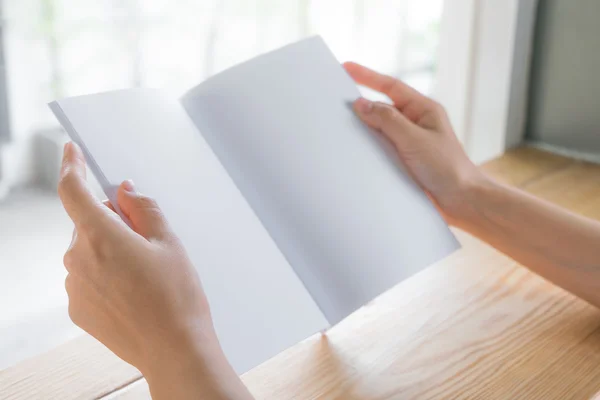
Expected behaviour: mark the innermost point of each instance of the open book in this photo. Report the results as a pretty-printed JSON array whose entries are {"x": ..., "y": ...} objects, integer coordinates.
[{"x": 293, "y": 212}]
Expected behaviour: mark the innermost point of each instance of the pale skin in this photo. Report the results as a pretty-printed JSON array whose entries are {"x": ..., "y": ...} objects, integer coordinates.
[{"x": 135, "y": 290}]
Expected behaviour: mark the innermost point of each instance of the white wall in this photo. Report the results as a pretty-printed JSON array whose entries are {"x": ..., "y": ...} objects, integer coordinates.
[
  {"x": 27, "y": 92},
  {"x": 483, "y": 72},
  {"x": 99, "y": 49},
  {"x": 455, "y": 61}
]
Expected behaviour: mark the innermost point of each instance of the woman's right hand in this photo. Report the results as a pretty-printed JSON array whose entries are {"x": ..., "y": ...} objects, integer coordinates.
[
  {"x": 421, "y": 132},
  {"x": 510, "y": 220}
]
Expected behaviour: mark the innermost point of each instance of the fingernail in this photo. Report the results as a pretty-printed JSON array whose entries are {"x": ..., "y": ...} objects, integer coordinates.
[
  {"x": 129, "y": 186},
  {"x": 364, "y": 106},
  {"x": 66, "y": 149}
]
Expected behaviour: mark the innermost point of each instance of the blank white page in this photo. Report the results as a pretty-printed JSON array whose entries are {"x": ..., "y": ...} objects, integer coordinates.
[
  {"x": 259, "y": 305},
  {"x": 350, "y": 222}
]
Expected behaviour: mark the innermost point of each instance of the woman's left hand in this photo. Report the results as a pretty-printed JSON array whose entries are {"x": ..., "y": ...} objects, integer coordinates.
[{"x": 136, "y": 291}]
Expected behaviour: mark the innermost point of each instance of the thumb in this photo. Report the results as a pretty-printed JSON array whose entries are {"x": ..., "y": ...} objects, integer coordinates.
[
  {"x": 145, "y": 215},
  {"x": 384, "y": 118}
]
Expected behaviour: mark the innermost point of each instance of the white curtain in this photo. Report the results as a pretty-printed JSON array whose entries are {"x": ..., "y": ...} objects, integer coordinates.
[{"x": 61, "y": 48}]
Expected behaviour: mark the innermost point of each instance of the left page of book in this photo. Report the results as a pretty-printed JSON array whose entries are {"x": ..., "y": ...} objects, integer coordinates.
[{"x": 259, "y": 305}]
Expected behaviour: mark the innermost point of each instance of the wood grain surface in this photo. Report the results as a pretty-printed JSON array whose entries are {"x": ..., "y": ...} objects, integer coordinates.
[{"x": 474, "y": 326}]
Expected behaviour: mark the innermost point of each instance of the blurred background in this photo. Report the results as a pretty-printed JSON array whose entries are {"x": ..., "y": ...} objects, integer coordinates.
[
  {"x": 509, "y": 73},
  {"x": 57, "y": 48}
]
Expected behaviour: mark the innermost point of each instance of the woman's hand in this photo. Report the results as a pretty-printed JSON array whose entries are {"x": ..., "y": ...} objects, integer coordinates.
[
  {"x": 419, "y": 129},
  {"x": 136, "y": 291},
  {"x": 508, "y": 219}
]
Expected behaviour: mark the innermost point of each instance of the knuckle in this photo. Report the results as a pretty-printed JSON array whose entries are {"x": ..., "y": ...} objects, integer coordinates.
[
  {"x": 389, "y": 116},
  {"x": 66, "y": 182},
  {"x": 156, "y": 214},
  {"x": 93, "y": 247},
  {"x": 150, "y": 208},
  {"x": 78, "y": 262},
  {"x": 390, "y": 85},
  {"x": 387, "y": 112},
  {"x": 69, "y": 284},
  {"x": 69, "y": 260},
  {"x": 146, "y": 202},
  {"x": 437, "y": 107}
]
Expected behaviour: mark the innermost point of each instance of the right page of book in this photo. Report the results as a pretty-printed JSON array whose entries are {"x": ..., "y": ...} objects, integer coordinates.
[{"x": 331, "y": 194}]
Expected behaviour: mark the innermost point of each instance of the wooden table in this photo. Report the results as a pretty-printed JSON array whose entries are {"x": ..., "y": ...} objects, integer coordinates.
[{"x": 476, "y": 325}]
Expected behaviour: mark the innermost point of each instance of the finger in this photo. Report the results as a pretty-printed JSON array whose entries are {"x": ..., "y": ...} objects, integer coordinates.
[
  {"x": 77, "y": 198},
  {"x": 404, "y": 97},
  {"x": 146, "y": 217},
  {"x": 384, "y": 118}
]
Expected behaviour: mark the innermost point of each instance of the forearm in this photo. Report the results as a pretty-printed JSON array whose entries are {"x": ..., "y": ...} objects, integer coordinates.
[{"x": 558, "y": 245}]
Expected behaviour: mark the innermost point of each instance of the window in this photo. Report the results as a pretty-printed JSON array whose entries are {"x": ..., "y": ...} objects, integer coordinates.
[{"x": 58, "y": 48}]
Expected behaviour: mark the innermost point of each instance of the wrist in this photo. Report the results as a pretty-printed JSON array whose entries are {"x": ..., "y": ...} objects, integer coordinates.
[
  {"x": 196, "y": 369},
  {"x": 169, "y": 359},
  {"x": 468, "y": 200}
]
